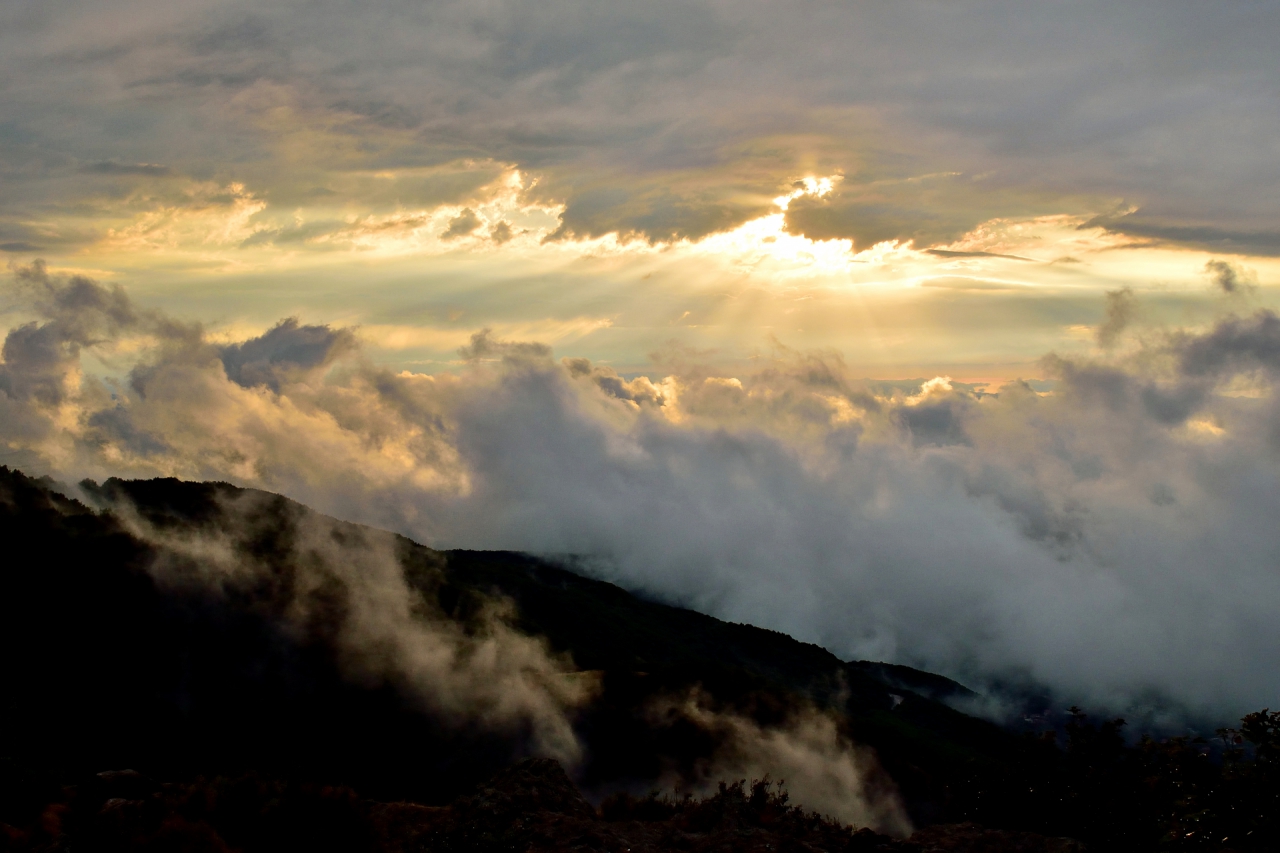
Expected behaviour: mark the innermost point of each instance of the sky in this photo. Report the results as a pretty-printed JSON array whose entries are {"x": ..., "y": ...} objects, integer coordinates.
[
  {"x": 613, "y": 179},
  {"x": 935, "y": 332}
]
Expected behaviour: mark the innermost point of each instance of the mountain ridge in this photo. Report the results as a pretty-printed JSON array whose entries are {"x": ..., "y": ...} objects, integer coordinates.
[
  {"x": 643, "y": 649},
  {"x": 204, "y": 631}
]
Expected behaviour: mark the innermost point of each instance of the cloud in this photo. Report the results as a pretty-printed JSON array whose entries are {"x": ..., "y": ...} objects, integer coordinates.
[
  {"x": 656, "y": 210},
  {"x": 41, "y": 360},
  {"x": 501, "y": 232},
  {"x": 108, "y": 167},
  {"x": 287, "y": 350},
  {"x": 1211, "y": 238},
  {"x": 944, "y": 253},
  {"x": 820, "y": 768},
  {"x": 484, "y": 345},
  {"x": 461, "y": 225},
  {"x": 1230, "y": 278},
  {"x": 927, "y": 211},
  {"x": 1237, "y": 344},
  {"x": 1111, "y": 541},
  {"x": 671, "y": 121},
  {"x": 1120, "y": 306}
]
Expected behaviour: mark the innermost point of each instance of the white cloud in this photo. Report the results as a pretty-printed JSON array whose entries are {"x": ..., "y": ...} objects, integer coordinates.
[{"x": 1113, "y": 540}]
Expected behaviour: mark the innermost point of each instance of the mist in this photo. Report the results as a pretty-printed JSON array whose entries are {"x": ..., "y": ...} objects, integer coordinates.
[
  {"x": 1112, "y": 540},
  {"x": 320, "y": 579},
  {"x": 806, "y": 754}
]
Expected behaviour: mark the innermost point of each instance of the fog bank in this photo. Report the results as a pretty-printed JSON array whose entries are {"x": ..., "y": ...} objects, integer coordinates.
[{"x": 1114, "y": 539}]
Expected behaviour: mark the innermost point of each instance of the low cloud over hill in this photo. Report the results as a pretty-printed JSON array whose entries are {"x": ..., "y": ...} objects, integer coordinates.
[{"x": 1111, "y": 539}]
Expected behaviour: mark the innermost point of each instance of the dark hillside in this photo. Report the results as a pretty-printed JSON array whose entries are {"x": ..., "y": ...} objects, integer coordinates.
[
  {"x": 646, "y": 650},
  {"x": 117, "y": 650},
  {"x": 103, "y": 668}
]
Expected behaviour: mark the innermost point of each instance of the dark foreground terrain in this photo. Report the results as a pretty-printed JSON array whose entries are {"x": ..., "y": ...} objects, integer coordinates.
[
  {"x": 251, "y": 716},
  {"x": 530, "y": 806}
]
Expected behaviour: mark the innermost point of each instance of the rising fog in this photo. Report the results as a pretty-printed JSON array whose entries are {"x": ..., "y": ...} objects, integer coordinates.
[
  {"x": 320, "y": 579},
  {"x": 1113, "y": 539},
  {"x": 819, "y": 768}
]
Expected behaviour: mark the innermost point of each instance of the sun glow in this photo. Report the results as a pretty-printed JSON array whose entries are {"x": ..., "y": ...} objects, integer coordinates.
[
  {"x": 419, "y": 275},
  {"x": 764, "y": 244},
  {"x": 232, "y": 229}
]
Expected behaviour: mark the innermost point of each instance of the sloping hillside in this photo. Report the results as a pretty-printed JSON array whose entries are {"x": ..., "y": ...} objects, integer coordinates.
[
  {"x": 112, "y": 667},
  {"x": 201, "y": 631}
]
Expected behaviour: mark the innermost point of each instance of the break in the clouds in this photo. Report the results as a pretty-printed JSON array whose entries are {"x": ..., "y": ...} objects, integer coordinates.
[
  {"x": 662, "y": 121},
  {"x": 923, "y": 186},
  {"x": 1112, "y": 538}
]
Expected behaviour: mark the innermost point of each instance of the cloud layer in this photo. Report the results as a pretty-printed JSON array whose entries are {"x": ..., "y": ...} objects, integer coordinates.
[
  {"x": 663, "y": 121},
  {"x": 1113, "y": 540}
]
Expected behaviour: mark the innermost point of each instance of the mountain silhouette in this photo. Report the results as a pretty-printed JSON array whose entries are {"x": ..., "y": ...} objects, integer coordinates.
[{"x": 197, "y": 632}]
